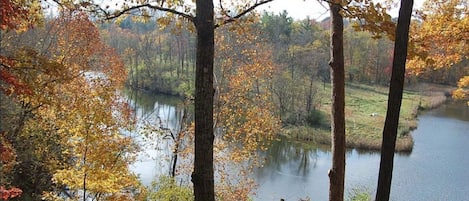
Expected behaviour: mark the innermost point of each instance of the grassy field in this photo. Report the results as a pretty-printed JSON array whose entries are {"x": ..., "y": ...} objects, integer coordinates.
[{"x": 365, "y": 112}]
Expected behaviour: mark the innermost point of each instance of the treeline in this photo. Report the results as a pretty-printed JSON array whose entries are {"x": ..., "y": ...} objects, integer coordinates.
[
  {"x": 158, "y": 58},
  {"x": 162, "y": 58}
]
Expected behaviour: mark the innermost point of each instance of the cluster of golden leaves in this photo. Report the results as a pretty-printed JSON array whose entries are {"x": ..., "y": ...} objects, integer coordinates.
[
  {"x": 370, "y": 16},
  {"x": 462, "y": 92},
  {"x": 439, "y": 39}
]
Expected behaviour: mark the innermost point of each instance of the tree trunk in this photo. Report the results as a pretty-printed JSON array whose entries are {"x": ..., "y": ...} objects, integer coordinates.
[
  {"x": 309, "y": 98},
  {"x": 377, "y": 72},
  {"x": 394, "y": 101},
  {"x": 202, "y": 177},
  {"x": 337, "y": 172}
]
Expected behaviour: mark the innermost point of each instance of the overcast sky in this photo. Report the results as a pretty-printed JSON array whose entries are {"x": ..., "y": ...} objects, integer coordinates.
[{"x": 299, "y": 9}]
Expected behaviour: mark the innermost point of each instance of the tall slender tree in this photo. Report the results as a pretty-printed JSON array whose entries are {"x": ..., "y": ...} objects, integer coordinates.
[
  {"x": 372, "y": 17},
  {"x": 202, "y": 177},
  {"x": 394, "y": 101},
  {"x": 337, "y": 172}
]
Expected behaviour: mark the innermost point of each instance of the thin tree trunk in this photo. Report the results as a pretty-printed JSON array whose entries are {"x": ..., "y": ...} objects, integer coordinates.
[
  {"x": 84, "y": 169},
  {"x": 202, "y": 177},
  {"x": 377, "y": 62},
  {"x": 394, "y": 101},
  {"x": 309, "y": 99},
  {"x": 337, "y": 172}
]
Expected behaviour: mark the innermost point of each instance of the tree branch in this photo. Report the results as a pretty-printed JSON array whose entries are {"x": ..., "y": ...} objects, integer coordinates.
[
  {"x": 241, "y": 14},
  {"x": 109, "y": 16}
]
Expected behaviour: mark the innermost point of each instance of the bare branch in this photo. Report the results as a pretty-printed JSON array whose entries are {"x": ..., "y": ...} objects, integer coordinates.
[
  {"x": 223, "y": 10},
  {"x": 109, "y": 16},
  {"x": 241, "y": 14}
]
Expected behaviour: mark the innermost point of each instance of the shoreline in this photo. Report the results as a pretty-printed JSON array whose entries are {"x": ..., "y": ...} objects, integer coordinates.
[{"x": 430, "y": 96}]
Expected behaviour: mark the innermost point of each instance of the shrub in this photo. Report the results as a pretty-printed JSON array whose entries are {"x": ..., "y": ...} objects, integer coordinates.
[
  {"x": 316, "y": 118},
  {"x": 167, "y": 189},
  {"x": 359, "y": 194}
]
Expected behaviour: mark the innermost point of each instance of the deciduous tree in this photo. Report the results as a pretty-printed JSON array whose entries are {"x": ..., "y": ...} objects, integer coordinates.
[
  {"x": 67, "y": 129},
  {"x": 17, "y": 15},
  {"x": 375, "y": 19},
  {"x": 394, "y": 101},
  {"x": 337, "y": 171},
  {"x": 439, "y": 39}
]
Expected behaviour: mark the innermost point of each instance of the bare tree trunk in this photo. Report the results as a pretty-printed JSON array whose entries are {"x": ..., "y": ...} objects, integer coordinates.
[
  {"x": 202, "y": 177},
  {"x": 337, "y": 172},
  {"x": 394, "y": 101},
  {"x": 377, "y": 72}
]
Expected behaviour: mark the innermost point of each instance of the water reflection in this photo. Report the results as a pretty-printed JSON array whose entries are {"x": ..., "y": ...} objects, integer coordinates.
[
  {"x": 457, "y": 110},
  {"x": 293, "y": 171},
  {"x": 156, "y": 108},
  {"x": 288, "y": 158},
  {"x": 435, "y": 170},
  {"x": 154, "y": 114}
]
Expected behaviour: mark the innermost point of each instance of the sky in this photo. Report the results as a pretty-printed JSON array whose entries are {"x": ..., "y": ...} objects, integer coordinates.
[{"x": 300, "y": 9}]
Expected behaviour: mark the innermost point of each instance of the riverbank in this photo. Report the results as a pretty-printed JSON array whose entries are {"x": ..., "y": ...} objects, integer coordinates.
[
  {"x": 295, "y": 171},
  {"x": 365, "y": 112}
]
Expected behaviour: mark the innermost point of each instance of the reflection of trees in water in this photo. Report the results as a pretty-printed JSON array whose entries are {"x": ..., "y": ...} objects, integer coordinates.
[
  {"x": 456, "y": 110},
  {"x": 152, "y": 107},
  {"x": 286, "y": 157},
  {"x": 160, "y": 119}
]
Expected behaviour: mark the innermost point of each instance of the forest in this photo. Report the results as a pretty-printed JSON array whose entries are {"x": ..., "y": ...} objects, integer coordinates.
[{"x": 245, "y": 79}]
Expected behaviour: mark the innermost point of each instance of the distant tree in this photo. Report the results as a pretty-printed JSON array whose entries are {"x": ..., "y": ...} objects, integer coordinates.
[
  {"x": 366, "y": 56},
  {"x": 278, "y": 31}
]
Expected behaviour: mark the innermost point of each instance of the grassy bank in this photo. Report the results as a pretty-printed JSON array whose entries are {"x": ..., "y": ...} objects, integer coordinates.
[{"x": 365, "y": 112}]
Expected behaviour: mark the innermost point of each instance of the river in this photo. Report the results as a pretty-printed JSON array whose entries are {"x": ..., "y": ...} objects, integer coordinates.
[{"x": 435, "y": 170}]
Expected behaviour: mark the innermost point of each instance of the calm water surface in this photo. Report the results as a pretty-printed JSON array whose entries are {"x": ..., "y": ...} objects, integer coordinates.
[
  {"x": 153, "y": 112},
  {"x": 437, "y": 168}
]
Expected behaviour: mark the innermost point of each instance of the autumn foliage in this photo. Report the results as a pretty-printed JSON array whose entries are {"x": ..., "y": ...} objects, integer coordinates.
[
  {"x": 7, "y": 160},
  {"x": 6, "y": 194},
  {"x": 439, "y": 40},
  {"x": 19, "y": 15},
  {"x": 244, "y": 114},
  {"x": 14, "y": 16},
  {"x": 66, "y": 116}
]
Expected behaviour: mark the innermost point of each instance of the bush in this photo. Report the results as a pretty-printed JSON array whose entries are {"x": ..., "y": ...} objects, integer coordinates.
[
  {"x": 316, "y": 118},
  {"x": 167, "y": 189},
  {"x": 294, "y": 119},
  {"x": 359, "y": 194}
]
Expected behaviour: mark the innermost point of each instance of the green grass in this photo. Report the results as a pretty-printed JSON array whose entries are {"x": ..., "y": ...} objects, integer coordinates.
[
  {"x": 359, "y": 194},
  {"x": 365, "y": 112}
]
